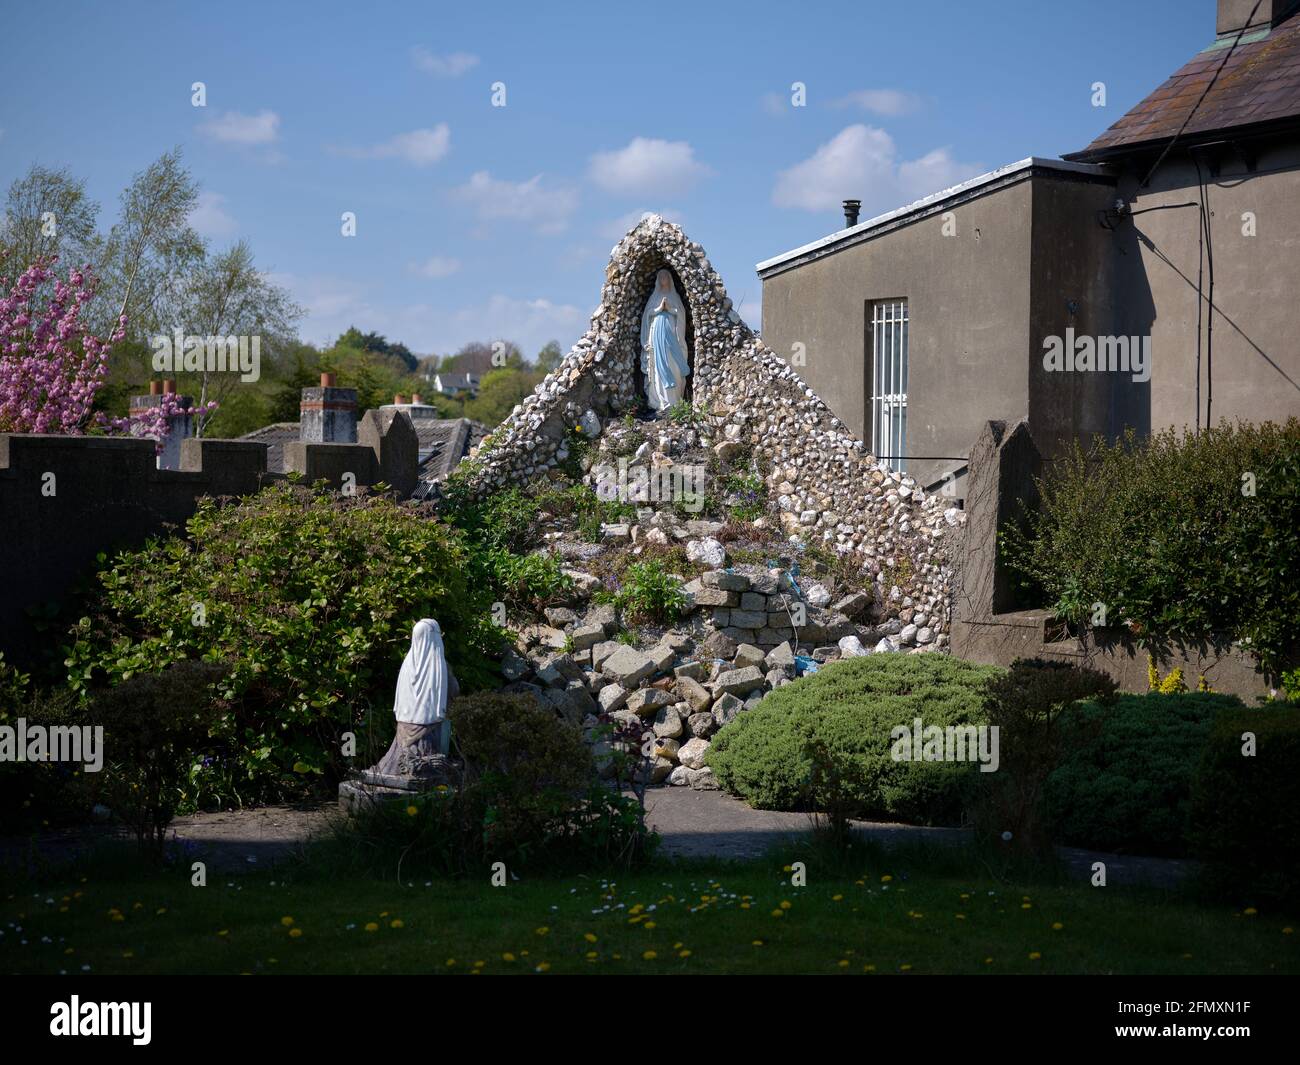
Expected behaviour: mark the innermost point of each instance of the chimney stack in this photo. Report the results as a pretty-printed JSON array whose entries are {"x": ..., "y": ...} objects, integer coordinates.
[
  {"x": 179, "y": 425},
  {"x": 328, "y": 415},
  {"x": 399, "y": 400},
  {"x": 851, "y": 209},
  {"x": 1234, "y": 16},
  {"x": 415, "y": 398}
]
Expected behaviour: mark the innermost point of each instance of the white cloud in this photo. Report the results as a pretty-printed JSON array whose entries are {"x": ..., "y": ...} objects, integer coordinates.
[
  {"x": 421, "y": 146},
  {"x": 209, "y": 217},
  {"x": 443, "y": 66},
  {"x": 888, "y": 103},
  {"x": 232, "y": 127},
  {"x": 436, "y": 267},
  {"x": 648, "y": 167},
  {"x": 616, "y": 228},
  {"x": 546, "y": 209},
  {"x": 330, "y": 305},
  {"x": 861, "y": 162}
]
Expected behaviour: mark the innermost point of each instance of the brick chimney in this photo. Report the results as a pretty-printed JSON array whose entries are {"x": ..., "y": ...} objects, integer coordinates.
[
  {"x": 328, "y": 415},
  {"x": 180, "y": 426},
  {"x": 1235, "y": 15}
]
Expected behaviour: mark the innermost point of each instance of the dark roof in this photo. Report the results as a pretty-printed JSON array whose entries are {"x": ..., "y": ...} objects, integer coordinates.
[
  {"x": 1257, "y": 88},
  {"x": 276, "y": 436},
  {"x": 443, "y": 443}
]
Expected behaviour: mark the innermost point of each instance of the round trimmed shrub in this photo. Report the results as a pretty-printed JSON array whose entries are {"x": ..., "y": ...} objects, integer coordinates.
[
  {"x": 1125, "y": 781},
  {"x": 849, "y": 709},
  {"x": 1245, "y": 808}
]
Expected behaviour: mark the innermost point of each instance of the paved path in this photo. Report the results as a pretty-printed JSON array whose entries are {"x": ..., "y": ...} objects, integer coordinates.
[{"x": 692, "y": 824}]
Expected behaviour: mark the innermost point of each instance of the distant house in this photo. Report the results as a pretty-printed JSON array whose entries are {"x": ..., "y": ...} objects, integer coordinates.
[
  {"x": 1144, "y": 282},
  {"x": 455, "y": 385}
]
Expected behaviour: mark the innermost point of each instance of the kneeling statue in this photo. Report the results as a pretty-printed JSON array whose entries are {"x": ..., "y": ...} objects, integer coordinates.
[{"x": 424, "y": 686}]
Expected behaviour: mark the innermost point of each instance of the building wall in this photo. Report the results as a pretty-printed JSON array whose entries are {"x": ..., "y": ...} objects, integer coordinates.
[
  {"x": 1072, "y": 286},
  {"x": 1256, "y": 350},
  {"x": 969, "y": 306}
]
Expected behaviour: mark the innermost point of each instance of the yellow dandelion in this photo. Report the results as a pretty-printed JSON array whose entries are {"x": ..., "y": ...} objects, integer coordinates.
[
  {"x": 1287, "y": 930},
  {"x": 744, "y": 905},
  {"x": 507, "y": 956},
  {"x": 224, "y": 932},
  {"x": 1057, "y": 926},
  {"x": 590, "y": 937},
  {"x": 396, "y": 922},
  {"x": 411, "y": 811},
  {"x": 649, "y": 955},
  {"x": 648, "y": 925},
  {"x": 372, "y": 926},
  {"x": 158, "y": 912},
  {"x": 778, "y": 913},
  {"x": 294, "y": 933},
  {"x": 592, "y": 955},
  {"x": 1250, "y": 911},
  {"x": 286, "y": 921},
  {"x": 988, "y": 961},
  {"x": 836, "y": 898},
  {"x": 1035, "y": 955},
  {"x": 785, "y": 904},
  {"x": 1026, "y": 906},
  {"x": 868, "y": 968},
  {"x": 617, "y": 957},
  {"x": 683, "y": 953},
  {"x": 843, "y": 963},
  {"x": 959, "y": 916},
  {"x": 479, "y": 964},
  {"x": 543, "y": 966},
  {"x": 541, "y": 931},
  {"x": 886, "y": 879},
  {"x": 128, "y": 954},
  {"x": 450, "y": 962},
  {"x": 904, "y": 968}
]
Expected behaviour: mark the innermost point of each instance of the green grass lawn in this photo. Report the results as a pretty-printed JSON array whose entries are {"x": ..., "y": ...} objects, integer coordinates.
[{"x": 719, "y": 918}]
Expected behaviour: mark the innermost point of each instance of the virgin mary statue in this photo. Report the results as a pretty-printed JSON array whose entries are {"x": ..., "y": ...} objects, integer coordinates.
[
  {"x": 663, "y": 344},
  {"x": 424, "y": 685}
]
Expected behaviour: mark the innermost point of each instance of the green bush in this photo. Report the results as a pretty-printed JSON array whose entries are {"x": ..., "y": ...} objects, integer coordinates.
[
  {"x": 309, "y": 598},
  {"x": 1245, "y": 811},
  {"x": 153, "y": 723},
  {"x": 1030, "y": 706},
  {"x": 849, "y": 708},
  {"x": 1124, "y": 783},
  {"x": 1167, "y": 535},
  {"x": 529, "y": 798},
  {"x": 648, "y": 592}
]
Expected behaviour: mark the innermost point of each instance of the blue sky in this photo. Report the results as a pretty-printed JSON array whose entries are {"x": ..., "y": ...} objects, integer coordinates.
[{"x": 475, "y": 221}]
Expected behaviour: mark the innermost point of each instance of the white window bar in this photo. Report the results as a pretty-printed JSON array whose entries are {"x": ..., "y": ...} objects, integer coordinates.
[{"x": 889, "y": 327}]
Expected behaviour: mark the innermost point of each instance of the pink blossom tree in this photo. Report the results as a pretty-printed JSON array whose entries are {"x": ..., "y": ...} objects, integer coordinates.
[{"x": 52, "y": 366}]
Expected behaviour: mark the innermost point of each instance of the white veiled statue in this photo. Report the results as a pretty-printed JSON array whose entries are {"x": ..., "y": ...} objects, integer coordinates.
[
  {"x": 665, "y": 361},
  {"x": 425, "y": 683}
]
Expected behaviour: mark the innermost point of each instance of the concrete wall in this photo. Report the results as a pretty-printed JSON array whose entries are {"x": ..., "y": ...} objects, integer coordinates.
[
  {"x": 1071, "y": 286},
  {"x": 1256, "y": 352},
  {"x": 979, "y": 303},
  {"x": 64, "y": 499}
]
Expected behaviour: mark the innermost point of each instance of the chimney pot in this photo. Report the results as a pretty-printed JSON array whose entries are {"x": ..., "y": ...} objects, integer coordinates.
[
  {"x": 169, "y": 387},
  {"x": 327, "y": 380},
  {"x": 399, "y": 399},
  {"x": 155, "y": 388},
  {"x": 851, "y": 211},
  {"x": 415, "y": 397}
]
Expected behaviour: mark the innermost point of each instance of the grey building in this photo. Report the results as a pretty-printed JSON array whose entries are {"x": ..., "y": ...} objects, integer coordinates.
[{"x": 1146, "y": 281}]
